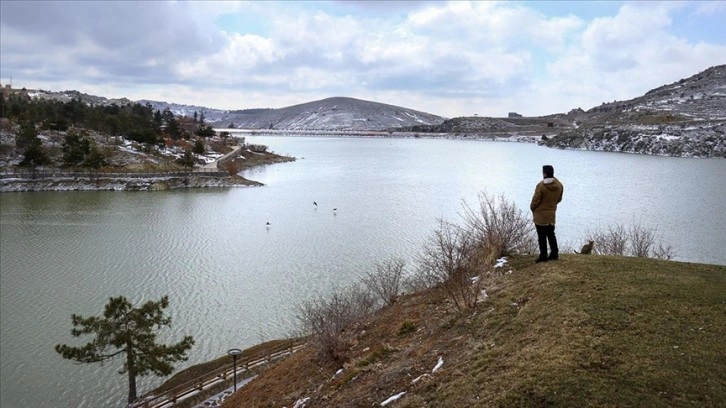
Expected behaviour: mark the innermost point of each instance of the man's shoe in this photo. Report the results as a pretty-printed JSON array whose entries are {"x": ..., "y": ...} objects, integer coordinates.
[
  {"x": 553, "y": 257},
  {"x": 540, "y": 260}
]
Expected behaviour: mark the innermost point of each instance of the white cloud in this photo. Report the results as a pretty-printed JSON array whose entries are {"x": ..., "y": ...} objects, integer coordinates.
[
  {"x": 624, "y": 56},
  {"x": 708, "y": 8},
  {"x": 456, "y": 58}
]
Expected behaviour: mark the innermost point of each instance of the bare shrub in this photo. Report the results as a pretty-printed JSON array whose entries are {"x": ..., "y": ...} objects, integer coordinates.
[
  {"x": 500, "y": 220},
  {"x": 635, "y": 240},
  {"x": 613, "y": 241},
  {"x": 417, "y": 281},
  {"x": 232, "y": 167},
  {"x": 386, "y": 281},
  {"x": 641, "y": 240},
  {"x": 328, "y": 320},
  {"x": 456, "y": 260},
  {"x": 663, "y": 251}
]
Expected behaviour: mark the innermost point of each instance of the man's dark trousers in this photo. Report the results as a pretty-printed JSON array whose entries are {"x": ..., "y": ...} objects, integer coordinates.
[{"x": 546, "y": 233}]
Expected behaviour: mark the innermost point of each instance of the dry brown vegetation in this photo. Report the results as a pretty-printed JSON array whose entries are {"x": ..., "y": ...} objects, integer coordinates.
[{"x": 583, "y": 331}]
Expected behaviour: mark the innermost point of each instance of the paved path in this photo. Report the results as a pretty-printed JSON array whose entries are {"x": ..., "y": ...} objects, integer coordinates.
[
  {"x": 216, "y": 400},
  {"x": 213, "y": 165}
]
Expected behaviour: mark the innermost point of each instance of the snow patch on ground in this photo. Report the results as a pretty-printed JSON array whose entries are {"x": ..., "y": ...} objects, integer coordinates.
[{"x": 393, "y": 398}]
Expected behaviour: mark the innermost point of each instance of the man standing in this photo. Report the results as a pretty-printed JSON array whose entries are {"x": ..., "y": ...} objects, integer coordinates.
[{"x": 547, "y": 195}]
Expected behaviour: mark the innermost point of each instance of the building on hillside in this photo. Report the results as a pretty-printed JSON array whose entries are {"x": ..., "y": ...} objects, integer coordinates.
[
  {"x": 514, "y": 115},
  {"x": 7, "y": 90}
]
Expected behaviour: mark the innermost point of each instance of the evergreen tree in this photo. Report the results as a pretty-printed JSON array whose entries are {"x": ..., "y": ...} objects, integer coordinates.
[
  {"x": 198, "y": 147},
  {"x": 167, "y": 115},
  {"x": 33, "y": 153},
  {"x": 94, "y": 158},
  {"x": 157, "y": 119},
  {"x": 205, "y": 131},
  {"x": 124, "y": 329},
  {"x": 27, "y": 135},
  {"x": 187, "y": 160},
  {"x": 75, "y": 147},
  {"x": 173, "y": 129}
]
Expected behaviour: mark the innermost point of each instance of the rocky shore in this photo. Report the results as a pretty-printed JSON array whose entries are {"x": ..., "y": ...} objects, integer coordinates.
[{"x": 121, "y": 184}]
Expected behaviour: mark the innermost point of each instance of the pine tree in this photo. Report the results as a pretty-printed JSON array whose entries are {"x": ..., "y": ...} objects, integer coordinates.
[
  {"x": 173, "y": 129},
  {"x": 198, "y": 147},
  {"x": 187, "y": 160},
  {"x": 75, "y": 148},
  {"x": 33, "y": 153},
  {"x": 124, "y": 329},
  {"x": 95, "y": 158}
]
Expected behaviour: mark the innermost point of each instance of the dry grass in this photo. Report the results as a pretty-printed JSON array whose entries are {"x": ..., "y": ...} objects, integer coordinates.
[{"x": 585, "y": 331}]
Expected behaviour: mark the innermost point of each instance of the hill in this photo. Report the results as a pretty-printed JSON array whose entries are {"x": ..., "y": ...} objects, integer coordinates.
[
  {"x": 338, "y": 113},
  {"x": 586, "y": 331},
  {"x": 686, "y": 118},
  {"x": 330, "y": 114}
]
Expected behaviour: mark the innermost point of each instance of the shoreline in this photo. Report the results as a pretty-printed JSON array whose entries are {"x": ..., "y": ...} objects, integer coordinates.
[
  {"x": 128, "y": 182},
  {"x": 11, "y": 185}
]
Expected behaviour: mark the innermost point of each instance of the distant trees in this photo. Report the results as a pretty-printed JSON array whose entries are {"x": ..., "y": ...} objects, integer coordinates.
[
  {"x": 124, "y": 329},
  {"x": 72, "y": 121},
  {"x": 205, "y": 131},
  {"x": 135, "y": 121}
]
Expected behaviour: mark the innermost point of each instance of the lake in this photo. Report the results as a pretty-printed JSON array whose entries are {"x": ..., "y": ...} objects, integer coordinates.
[{"x": 233, "y": 281}]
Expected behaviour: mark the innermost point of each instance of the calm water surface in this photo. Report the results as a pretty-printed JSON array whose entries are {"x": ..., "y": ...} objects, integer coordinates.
[{"x": 233, "y": 282}]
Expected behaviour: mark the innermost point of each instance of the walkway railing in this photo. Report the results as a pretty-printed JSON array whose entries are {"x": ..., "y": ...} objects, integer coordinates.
[{"x": 214, "y": 378}]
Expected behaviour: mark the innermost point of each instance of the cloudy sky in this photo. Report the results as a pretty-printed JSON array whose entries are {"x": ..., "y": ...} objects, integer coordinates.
[{"x": 448, "y": 58}]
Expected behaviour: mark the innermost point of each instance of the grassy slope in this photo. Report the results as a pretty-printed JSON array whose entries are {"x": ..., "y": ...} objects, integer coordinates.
[{"x": 584, "y": 331}]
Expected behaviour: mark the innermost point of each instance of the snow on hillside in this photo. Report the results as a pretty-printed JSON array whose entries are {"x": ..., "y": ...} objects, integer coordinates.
[
  {"x": 686, "y": 118},
  {"x": 331, "y": 114},
  {"x": 338, "y": 113}
]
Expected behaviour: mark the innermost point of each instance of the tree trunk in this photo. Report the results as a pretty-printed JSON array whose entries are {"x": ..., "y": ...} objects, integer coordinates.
[{"x": 132, "y": 374}]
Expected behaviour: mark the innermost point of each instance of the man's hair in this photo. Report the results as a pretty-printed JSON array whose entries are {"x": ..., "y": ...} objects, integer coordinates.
[{"x": 548, "y": 170}]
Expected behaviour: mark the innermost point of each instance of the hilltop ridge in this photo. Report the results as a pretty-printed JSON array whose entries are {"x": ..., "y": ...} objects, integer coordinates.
[
  {"x": 336, "y": 113},
  {"x": 686, "y": 118}
]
